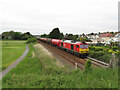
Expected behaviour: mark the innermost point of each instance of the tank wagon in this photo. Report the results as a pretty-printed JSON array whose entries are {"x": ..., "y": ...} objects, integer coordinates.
[
  {"x": 80, "y": 49},
  {"x": 56, "y": 42}
]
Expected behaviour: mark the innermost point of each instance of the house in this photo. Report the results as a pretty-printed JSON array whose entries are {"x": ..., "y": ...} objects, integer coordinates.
[
  {"x": 93, "y": 37},
  {"x": 105, "y": 37},
  {"x": 115, "y": 37}
]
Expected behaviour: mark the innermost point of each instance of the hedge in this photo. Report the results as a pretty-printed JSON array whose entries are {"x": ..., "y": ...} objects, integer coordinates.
[{"x": 100, "y": 55}]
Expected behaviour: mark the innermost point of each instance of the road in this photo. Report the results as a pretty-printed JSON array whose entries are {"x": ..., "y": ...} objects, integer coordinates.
[{"x": 3, "y": 73}]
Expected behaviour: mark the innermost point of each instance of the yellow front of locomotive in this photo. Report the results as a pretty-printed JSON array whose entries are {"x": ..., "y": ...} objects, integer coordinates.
[{"x": 84, "y": 49}]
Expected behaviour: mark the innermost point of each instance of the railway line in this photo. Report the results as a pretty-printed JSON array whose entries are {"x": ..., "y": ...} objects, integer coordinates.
[{"x": 74, "y": 60}]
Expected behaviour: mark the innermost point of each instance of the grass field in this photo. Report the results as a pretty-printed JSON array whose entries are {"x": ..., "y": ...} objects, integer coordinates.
[
  {"x": 11, "y": 50},
  {"x": 44, "y": 71}
]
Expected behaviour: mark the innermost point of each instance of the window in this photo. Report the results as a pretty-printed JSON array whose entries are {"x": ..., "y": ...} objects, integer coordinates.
[
  {"x": 62, "y": 44},
  {"x": 77, "y": 46},
  {"x": 72, "y": 47},
  {"x": 86, "y": 46},
  {"x": 81, "y": 46}
]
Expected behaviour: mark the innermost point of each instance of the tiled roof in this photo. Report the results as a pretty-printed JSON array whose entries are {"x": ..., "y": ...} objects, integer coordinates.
[
  {"x": 106, "y": 35},
  {"x": 102, "y": 35}
]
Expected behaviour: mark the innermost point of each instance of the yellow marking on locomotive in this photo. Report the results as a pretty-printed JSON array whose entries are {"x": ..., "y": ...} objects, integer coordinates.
[{"x": 81, "y": 50}]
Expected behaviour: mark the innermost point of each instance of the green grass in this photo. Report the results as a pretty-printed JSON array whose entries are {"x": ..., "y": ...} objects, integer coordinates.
[
  {"x": 42, "y": 72},
  {"x": 13, "y": 43},
  {"x": 0, "y": 62},
  {"x": 11, "y": 50}
]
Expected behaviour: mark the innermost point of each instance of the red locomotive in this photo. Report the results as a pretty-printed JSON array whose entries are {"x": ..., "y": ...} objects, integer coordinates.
[{"x": 80, "y": 49}]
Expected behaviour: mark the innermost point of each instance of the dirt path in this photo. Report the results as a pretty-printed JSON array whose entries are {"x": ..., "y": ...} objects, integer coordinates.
[{"x": 3, "y": 73}]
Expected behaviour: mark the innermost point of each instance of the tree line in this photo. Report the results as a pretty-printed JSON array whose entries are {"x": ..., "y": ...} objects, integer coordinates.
[
  {"x": 56, "y": 34},
  {"x": 11, "y": 35}
]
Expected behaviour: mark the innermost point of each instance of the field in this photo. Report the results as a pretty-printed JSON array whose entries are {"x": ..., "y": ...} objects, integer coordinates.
[
  {"x": 42, "y": 70},
  {"x": 11, "y": 50}
]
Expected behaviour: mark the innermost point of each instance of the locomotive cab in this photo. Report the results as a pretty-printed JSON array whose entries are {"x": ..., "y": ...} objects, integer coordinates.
[{"x": 82, "y": 48}]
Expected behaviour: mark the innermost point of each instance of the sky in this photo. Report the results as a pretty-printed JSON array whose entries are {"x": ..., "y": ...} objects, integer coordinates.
[{"x": 70, "y": 16}]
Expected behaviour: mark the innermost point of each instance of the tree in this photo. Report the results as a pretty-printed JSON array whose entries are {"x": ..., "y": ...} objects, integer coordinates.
[
  {"x": 83, "y": 34},
  {"x": 92, "y": 33},
  {"x": 55, "y": 33},
  {"x": 11, "y": 35},
  {"x": 61, "y": 35},
  {"x": 43, "y": 35},
  {"x": 28, "y": 33},
  {"x": 31, "y": 40},
  {"x": 75, "y": 37},
  {"x": 16, "y": 35},
  {"x": 111, "y": 32}
]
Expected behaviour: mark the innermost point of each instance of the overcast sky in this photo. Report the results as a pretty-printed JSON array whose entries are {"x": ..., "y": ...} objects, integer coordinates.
[{"x": 70, "y": 16}]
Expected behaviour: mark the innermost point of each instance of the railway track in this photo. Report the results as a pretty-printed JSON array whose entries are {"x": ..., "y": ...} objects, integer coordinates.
[
  {"x": 100, "y": 63},
  {"x": 74, "y": 60}
]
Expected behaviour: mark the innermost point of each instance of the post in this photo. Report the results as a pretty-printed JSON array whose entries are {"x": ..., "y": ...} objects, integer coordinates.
[
  {"x": 76, "y": 65},
  {"x": 112, "y": 63}
]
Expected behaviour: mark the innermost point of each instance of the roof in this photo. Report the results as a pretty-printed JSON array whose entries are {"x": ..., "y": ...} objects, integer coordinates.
[
  {"x": 68, "y": 41},
  {"x": 71, "y": 41},
  {"x": 106, "y": 35},
  {"x": 102, "y": 35}
]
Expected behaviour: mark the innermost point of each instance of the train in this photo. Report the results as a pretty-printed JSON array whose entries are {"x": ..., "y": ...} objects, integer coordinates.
[{"x": 80, "y": 49}]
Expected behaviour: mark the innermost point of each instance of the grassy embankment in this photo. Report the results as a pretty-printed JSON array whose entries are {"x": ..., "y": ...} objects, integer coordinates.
[
  {"x": 11, "y": 50},
  {"x": 44, "y": 71},
  {"x": 0, "y": 62}
]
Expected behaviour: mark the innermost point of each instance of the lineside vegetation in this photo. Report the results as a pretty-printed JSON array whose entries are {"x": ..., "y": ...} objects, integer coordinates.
[{"x": 42, "y": 71}]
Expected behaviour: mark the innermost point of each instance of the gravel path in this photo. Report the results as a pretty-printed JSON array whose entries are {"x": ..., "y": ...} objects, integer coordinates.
[{"x": 3, "y": 73}]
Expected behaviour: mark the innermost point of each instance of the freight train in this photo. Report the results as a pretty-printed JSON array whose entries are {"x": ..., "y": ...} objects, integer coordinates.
[{"x": 77, "y": 48}]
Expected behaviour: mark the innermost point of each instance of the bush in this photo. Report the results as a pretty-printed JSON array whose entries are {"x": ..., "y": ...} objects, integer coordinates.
[
  {"x": 96, "y": 54},
  {"x": 92, "y": 47},
  {"x": 105, "y": 58},
  {"x": 107, "y": 46},
  {"x": 88, "y": 66},
  {"x": 105, "y": 49},
  {"x": 31, "y": 40},
  {"x": 114, "y": 48},
  {"x": 91, "y": 54},
  {"x": 98, "y": 48},
  {"x": 111, "y": 51},
  {"x": 100, "y": 55}
]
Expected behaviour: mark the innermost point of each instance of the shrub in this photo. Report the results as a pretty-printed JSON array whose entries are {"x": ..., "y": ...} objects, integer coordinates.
[
  {"x": 114, "y": 48},
  {"x": 99, "y": 54},
  {"x": 107, "y": 46},
  {"x": 105, "y": 49},
  {"x": 92, "y": 47},
  {"x": 106, "y": 58},
  {"x": 88, "y": 66},
  {"x": 91, "y": 54},
  {"x": 118, "y": 52},
  {"x": 31, "y": 40},
  {"x": 98, "y": 48},
  {"x": 96, "y": 54}
]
